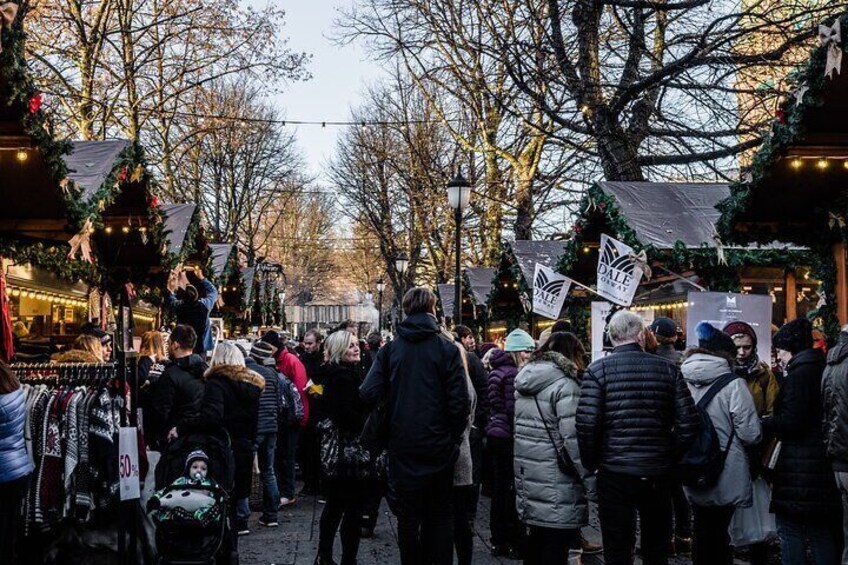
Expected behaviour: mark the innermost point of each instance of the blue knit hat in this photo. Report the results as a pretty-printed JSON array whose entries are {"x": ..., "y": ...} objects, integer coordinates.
[
  {"x": 519, "y": 340},
  {"x": 714, "y": 340}
]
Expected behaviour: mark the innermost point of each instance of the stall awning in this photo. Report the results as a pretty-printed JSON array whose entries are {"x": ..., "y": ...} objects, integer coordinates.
[
  {"x": 220, "y": 255},
  {"x": 480, "y": 280},
  {"x": 528, "y": 253},
  {"x": 177, "y": 219},
  {"x": 91, "y": 162},
  {"x": 247, "y": 275}
]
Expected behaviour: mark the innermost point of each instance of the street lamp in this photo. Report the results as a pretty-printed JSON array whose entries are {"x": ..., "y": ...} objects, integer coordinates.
[
  {"x": 401, "y": 264},
  {"x": 283, "y": 308},
  {"x": 459, "y": 194},
  {"x": 381, "y": 286}
]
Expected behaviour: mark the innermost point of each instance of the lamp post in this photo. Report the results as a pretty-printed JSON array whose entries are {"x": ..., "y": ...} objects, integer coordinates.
[
  {"x": 381, "y": 286},
  {"x": 459, "y": 194},
  {"x": 401, "y": 264},
  {"x": 283, "y": 308}
]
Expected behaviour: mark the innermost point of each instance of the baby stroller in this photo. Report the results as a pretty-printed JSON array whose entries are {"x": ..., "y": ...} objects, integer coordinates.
[{"x": 186, "y": 541}]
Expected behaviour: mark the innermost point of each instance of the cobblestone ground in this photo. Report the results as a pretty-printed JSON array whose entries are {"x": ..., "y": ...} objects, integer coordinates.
[{"x": 295, "y": 541}]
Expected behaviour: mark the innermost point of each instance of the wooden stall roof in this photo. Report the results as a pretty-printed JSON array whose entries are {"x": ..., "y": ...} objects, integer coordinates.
[
  {"x": 177, "y": 219},
  {"x": 481, "y": 281}
]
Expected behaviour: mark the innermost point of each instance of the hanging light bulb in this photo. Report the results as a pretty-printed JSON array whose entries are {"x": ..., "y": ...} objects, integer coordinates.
[
  {"x": 125, "y": 229},
  {"x": 108, "y": 230},
  {"x": 822, "y": 164},
  {"x": 796, "y": 163},
  {"x": 21, "y": 155}
]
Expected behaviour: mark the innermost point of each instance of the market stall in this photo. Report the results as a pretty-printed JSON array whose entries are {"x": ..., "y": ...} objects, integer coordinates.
[
  {"x": 795, "y": 187},
  {"x": 674, "y": 224},
  {"x": 511, "y": 294}
]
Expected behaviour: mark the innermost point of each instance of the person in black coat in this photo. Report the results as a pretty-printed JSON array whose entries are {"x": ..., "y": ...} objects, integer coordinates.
[
  {"x": 309, "y": 444},
  {"x": 231, "y": 404},
  {"x": 805, "y": 499},
  {"x": 345, "y": 495},
  {"x": 635, "y": 419},
  {"x": 423, "y": 379},
  {"x": 178, "y": 393}
]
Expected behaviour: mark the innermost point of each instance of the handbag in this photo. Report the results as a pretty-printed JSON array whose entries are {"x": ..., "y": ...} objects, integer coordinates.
[
  {"x": 564, "y": 462},
  {"x": 754, "y": 524},
  {"x": 375, "y": 432},
  {"x": 342, "y": 454}
]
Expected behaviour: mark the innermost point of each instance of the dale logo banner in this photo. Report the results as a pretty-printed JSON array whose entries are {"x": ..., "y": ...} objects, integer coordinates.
[
  {"x": 549, "y": 291},
  {"x": 618, "y": 272}
]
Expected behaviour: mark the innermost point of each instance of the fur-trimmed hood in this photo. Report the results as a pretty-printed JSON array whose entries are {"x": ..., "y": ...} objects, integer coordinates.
[
  {"x": 75, "y": 356},
  {"x": 542, "y": 371},
  {"x": 236, "y": 373}
]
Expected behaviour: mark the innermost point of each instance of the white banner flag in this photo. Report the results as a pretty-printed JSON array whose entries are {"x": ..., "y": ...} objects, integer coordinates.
[
  {"x": 549, "y": 291},
  {"x": 618, "y": 272}
]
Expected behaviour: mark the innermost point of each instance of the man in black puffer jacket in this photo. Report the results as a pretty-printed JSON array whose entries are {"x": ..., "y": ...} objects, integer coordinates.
[
  {"x": 178, "y": 393},
  {"x": 635, "y": 420},
  {"x": 835, "y": 402},
  {"x": 429, "y": 405},
  {"x": 262, "y": 362}
]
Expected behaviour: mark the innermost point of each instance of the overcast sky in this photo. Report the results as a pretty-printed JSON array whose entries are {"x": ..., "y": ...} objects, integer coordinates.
[{"x": 339, "y": 75}]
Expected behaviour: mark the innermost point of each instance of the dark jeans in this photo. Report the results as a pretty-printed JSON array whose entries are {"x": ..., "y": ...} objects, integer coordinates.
[
  {"x": 549, "y": 546},
  {"x": 758, "y": 553},
  {"x": 345, "y": 500},
  {"x": 309, "y": 449},
  {"x": 286, "y": 458},
  {"x": 464, "y": 513},
  {"x": 266, "y": 447},
  {"x": 711, "y": 542},
  {"x": 682, "y": 512},
  {"x": 620, "y": 499},
  {"x": 425, "y": 520},
  {"x": 794, "y": 532},
  {"x": 503, "y": 520},
  {"x": 371, "y": 510},
  {"x": 12, "y": 496},
  {"x": 243, "y": 473}
]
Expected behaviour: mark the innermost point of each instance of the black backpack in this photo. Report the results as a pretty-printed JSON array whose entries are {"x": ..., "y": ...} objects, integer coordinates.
[{"x": 701, "y": 466}]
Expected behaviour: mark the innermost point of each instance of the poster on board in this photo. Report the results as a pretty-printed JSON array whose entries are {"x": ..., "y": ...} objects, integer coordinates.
[
  {"x": 721, "y": 308},
  {"x": 600, "y": 312}
]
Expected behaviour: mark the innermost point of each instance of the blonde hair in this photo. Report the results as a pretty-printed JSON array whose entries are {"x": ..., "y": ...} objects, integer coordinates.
[
  {"x": 227, "y": 353},
  {"x": 153, "y": 344},
  {"x": 91, "y": 344},
  {"x": 336, "y": 344}
]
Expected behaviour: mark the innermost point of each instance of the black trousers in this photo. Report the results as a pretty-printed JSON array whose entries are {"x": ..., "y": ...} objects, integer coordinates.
[
  {"x": 371, "y": 510},
  {"x": 549, "y": 546},
  {"x": 425, "y": 520},
  {"x": 620, "y": 499},
  {"x": 345, "y": 500},
  {"x": 682, "y": 512},
  {"x": 711, "y": 541},
  {"x": 12, "y": 496},
  {"x": 503, "y": 520},
  {"x": 309, "y": 448},
  {"x": 465, "y": 501}
]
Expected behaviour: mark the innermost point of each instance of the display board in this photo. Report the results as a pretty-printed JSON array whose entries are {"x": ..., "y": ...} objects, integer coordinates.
[{"x": 721, "y": 308}]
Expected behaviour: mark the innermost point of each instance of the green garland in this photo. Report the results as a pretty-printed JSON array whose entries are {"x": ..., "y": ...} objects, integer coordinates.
[{"x": 51, "y": 258}]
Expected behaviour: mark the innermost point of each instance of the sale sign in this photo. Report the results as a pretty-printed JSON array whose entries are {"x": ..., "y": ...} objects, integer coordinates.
[{"x": 128, "y": 469}]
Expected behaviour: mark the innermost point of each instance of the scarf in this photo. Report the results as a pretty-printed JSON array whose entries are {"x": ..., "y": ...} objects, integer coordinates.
[{"x": 750, "y": 368}]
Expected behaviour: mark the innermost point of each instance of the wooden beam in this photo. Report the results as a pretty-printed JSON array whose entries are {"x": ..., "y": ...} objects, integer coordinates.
[
  {"x": 841, "y": 283},
  {"x": 790, "y": 295}
]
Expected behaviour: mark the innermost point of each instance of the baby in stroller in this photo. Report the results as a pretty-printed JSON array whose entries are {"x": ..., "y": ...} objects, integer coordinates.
[{"x": 190, "y": 503}]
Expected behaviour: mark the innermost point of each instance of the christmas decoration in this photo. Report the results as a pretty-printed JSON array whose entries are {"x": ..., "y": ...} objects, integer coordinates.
[
  {"x": 34, "y": 104},
  {"x": 82, "y": 243},
  {"x": 8, "y": 13},
  {"x": 831, "y": 39}
]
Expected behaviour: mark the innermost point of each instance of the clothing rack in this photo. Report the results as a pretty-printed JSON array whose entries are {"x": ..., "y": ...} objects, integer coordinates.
[{"x": 65, "y": 373}]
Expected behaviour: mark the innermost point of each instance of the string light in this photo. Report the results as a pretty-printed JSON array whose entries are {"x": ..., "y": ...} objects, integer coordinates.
[
  {"x": 796, "y": 163},
  {"x": 822, "y": 164},
  {"x": 125, "y": 229},
  {"x": 108, "y": 230},
  {"x": 21, "y": 155}
]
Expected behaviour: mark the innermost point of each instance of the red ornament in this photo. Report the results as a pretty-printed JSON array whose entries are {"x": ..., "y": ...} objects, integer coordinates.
[
  {"x": 154, "y": 202},
  {"x": 35, "y": 103},
  {"x": 577, "y": 228},
  {"x": 781, "y": 116},
  {"x": 602, "y": 206},
  {"x": 123, "y": 174}
]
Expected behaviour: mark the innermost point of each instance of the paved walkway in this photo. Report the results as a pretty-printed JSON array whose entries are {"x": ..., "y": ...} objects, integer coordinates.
[{"x": 295, "y": 541}]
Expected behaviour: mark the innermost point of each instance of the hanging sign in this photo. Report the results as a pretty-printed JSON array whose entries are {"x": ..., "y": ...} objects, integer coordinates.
[
  {"x": 721, "y": 308},
  {"x": 549, "y": 291},
  {"x": 128, "y": 468},
  {"x": 619, "y": 272}
]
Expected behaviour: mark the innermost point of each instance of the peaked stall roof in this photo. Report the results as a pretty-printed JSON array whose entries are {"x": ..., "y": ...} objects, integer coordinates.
[
  {"x": 527, "y": 253},
  {"x": 90, "y": 162},
  {"x": 220, "y": 255},
  {"x": 446, "y": 296},
  {"x": 177, "y": 219},
  {"x": 661, "y": 214},
  {"x": 248, "y": 274},
  {"x": 480, "y": 279}
]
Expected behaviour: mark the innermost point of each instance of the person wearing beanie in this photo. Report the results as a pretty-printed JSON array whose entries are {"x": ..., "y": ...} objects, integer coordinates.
[
  {"x": 665, "y": 331},
  {"x": 756, "y": 372},
  {"x": 805, "y": 499},
  {"x": 261, "y": 361},
  {"x": 287, "y": 440},
  {"x": 503, "y": 522},
  {"x": 709, "y": 368},
  {"x": 197, "y": 464},
  {"x": 635, "y": 417}
]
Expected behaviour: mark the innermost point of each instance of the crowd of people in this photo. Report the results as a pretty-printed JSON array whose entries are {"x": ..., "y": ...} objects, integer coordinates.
[{"x": 682, "y": 440}]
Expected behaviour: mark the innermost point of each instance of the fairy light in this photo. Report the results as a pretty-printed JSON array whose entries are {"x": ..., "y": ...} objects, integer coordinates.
[
  {"x": 822, "y": 164},
  {"x": 796, "y": 164},
  {"x": 21, "y": 155}
]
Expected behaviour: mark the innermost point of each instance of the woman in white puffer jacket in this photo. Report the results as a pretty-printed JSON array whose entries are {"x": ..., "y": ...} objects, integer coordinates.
[{"x": 734, "y": 417}]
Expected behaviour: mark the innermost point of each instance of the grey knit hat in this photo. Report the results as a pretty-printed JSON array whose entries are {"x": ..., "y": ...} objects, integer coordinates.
[{"x": 263, "y": 353}]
